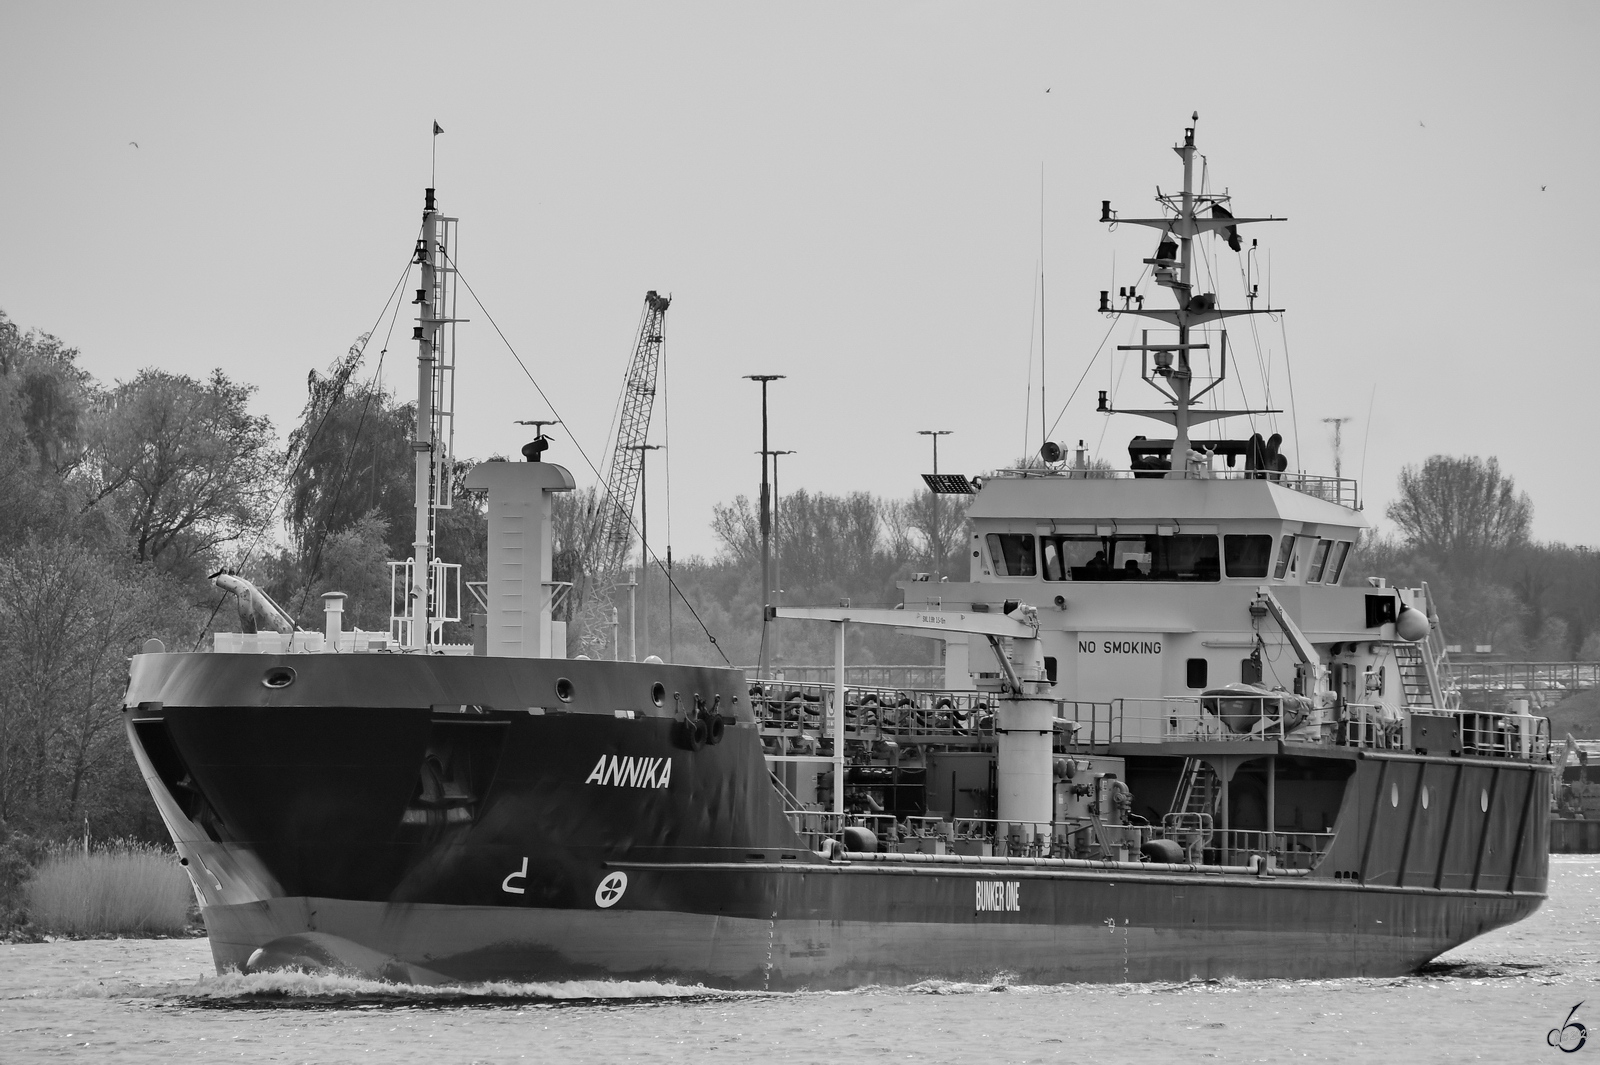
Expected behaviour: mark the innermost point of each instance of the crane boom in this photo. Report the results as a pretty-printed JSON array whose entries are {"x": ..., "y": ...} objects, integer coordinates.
[{"x": 615, "y": 535}]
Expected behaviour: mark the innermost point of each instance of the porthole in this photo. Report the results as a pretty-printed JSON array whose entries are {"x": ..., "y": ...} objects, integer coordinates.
[
  {"x": 1424, "y": 798},
  {"x": 564, "y": 690},
  {"x": 1394, "y": 795},
  {"x": 658, "y": 693},
  {"x": 1483, "y": 800},
  {"x": 277, "y": 677}
]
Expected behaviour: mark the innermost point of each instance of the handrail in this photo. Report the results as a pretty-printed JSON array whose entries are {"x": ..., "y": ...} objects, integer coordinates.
[
  {"x": 1436, "y": 660},
  {"x": 1524, "y": 676},
  {"x": 800, "y": 711},
  {"x": 1345, "y": 491},
  {"x": 807, "y": 710},
  {"x": 1074, "y": 838},
  {"x": 1241, "y": 716}
]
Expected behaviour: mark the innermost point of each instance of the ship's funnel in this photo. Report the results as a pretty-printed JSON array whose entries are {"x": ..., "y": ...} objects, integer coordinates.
[{"x": 520, "y": 589}]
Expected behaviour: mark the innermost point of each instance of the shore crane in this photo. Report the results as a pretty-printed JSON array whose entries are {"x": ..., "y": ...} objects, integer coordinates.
[{"x": 610, "y": 537}]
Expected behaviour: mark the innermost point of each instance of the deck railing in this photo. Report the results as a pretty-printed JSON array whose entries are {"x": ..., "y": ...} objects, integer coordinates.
[
  {"x": 895, "y": 677},
  {"x": 800, "y": 716},
  {"x": 1502, "y": 735},
  {"x": 800, "y": 711},
  {"x": 1344, "y": 491},
  {"x": 1525, "y": 676},
  {"x": 1077, "y": 838}
]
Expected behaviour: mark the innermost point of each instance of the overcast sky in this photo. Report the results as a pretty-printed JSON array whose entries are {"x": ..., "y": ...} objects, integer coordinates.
[{"x": 848, "y": 194}]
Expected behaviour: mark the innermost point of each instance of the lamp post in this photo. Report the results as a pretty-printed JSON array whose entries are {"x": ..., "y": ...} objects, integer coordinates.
[
  {"x": 644, "y": 545},
  {"x": 777, "y": 559},
  {"x": 766, "y": 520},
  {"x": 935, "y": 541}
]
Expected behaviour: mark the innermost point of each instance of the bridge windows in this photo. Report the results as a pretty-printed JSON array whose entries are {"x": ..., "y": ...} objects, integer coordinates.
[
  {"x": 1132, "y": 557},
  {"x": 1247, "y": 555},
  {"x": 1319, "y": 561},
  {"x": 1013, "y": 554},
  {"x": 1336, "y": 561},
  {"x": 1286, "y": 558}
]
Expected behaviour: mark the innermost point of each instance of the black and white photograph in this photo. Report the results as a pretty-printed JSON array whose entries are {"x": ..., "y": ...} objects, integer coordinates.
[{"x": 833, "y": 532}]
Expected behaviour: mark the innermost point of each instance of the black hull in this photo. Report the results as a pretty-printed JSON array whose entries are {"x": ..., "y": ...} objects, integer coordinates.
[
  {"x": 1074, "y": 931},
  {"x": 299, "y": 817}
]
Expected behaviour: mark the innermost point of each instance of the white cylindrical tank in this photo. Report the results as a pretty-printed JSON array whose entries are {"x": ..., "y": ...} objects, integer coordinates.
[{"x": 1023, "y": 769}]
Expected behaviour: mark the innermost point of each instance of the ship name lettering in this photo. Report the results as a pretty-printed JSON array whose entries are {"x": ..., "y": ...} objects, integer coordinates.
[
  {"x": 626, "y": 771},
  {"x": 999, "y": 895},
  {"x": 932, "y": 619}
]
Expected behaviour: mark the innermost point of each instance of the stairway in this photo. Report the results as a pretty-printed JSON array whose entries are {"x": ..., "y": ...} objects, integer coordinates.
[
  {"x": 1413, "y": 674},
  {"x": 1190, "y": 821},
  {"x": 1198, "y": 790}
]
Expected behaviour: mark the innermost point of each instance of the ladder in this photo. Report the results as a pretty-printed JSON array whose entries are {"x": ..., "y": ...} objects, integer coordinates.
[
  {"x": 1190, "y": 821},
  {"x": 1414, "y": 679},
  {"x": 1197, "y": 792}
]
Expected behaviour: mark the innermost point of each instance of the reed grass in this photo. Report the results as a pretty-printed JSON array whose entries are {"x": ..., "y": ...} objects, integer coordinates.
[{"x": 122, "y": 888}]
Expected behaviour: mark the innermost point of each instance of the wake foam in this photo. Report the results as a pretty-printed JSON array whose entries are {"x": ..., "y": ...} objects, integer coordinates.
[{"x": 301, "y": 990}]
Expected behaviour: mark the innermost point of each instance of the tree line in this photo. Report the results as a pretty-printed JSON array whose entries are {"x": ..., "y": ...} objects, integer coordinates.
[{"x": 1461, "y": 524}]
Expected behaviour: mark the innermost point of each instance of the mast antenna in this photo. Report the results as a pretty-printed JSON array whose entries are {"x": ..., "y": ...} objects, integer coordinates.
[
  {"x": 1338, "y": 443},
  {"x": 1173, "y": 266}
]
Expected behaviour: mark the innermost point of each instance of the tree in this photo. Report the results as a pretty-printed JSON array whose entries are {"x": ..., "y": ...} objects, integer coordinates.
[
  {"x": 184, "y": 464},
  {"x": 49, "y": 390},
  {"x": 1459, "y": 510},
  {"x": 43, "y": 397},
  {"x": 68, "y": 622},
  {"x": 351, "y": 456},
  {"x": 941, "y": 524}
]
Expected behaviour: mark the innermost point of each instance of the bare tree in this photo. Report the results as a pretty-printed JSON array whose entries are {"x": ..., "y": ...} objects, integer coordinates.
[
  {"x": 1456, "y": 510},
  {"x": 736, "y": 526}
]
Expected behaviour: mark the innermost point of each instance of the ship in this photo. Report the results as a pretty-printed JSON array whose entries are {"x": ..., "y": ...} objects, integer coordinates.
[
  {"x": 1575, "y": 804},
  {"x": 1173, "y": 739}
]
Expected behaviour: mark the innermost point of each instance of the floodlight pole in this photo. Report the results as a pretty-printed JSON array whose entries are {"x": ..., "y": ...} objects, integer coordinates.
[
  {"x": 934, "y": 532},
  {"x": 766, "y": 522},
  {"x": 644, "y": 547},
  {"x": 777, "y": 559}
]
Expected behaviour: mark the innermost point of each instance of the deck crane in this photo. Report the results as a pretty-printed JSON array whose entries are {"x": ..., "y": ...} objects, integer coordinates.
[{"x": 611, "y": 533}]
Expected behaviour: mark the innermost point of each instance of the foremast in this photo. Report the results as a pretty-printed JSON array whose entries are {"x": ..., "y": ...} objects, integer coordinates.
[
  {"x": 433, "y": 430},
  {"x": 1173, "y": 268}
]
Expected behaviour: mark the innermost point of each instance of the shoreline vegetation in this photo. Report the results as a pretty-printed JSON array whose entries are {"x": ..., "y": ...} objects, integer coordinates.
[{"x": 116, "y": 889}]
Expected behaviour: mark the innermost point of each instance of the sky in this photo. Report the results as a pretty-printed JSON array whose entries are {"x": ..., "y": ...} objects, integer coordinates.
[{"x": 861, "y": 197}]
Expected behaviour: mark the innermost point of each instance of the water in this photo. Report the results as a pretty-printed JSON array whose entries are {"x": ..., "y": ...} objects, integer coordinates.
[{"x": 1494, "y": 999}]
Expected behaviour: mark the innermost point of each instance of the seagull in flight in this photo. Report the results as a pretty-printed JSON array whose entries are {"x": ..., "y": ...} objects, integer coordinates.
[
  {"x": 134, "y": 143},
  {"x": 1421, "y": 123},
  {"x": 1543, "y": 187}
]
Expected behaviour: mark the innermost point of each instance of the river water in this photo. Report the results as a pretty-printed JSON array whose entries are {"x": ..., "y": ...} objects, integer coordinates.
[{"x": 1494, "y": 999}]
